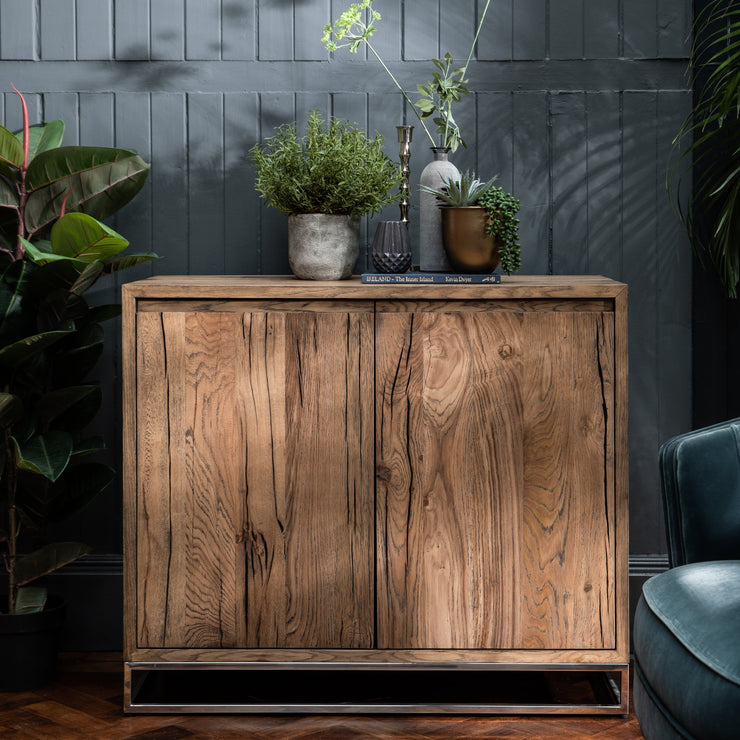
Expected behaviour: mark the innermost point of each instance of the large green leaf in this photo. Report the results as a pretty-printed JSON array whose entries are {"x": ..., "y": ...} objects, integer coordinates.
[
  {"x": 11, "y": 150},
  {"x": 48, "y": 559},
  {"x": 14, "y": 354},
  {"x": 89, "y": 445},
  {"x": 105, "y": 312},
  {"x": 43, "y": 137},
  {"x": 128, "y": 260},
  {"x": 60, "y": 309},
  {"x": 81, "y": 414},
  {"x": 42, "y": 257},
  {"x": 11, "y": 409},
  {"x": 46, "y": 454},
  {"x": 79, "y": 485},
  {"x": 84, "y": 238},
  {"x": 8, "y": 194},
  {"x": 94, "y": 180},
  {"x": 13, "y": 285},
  {"x": 30, "y": 599},
  {"x": 56, "y": 402},
  {"x": 87, "y": 278},
  {"x": 53, "y": 275}
]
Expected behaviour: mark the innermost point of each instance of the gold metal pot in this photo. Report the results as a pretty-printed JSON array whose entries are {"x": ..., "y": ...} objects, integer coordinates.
[{"x": 468, "y": 247}]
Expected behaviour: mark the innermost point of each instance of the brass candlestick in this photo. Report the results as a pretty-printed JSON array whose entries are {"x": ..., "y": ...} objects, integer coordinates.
[{"x": 404, "y": 138}]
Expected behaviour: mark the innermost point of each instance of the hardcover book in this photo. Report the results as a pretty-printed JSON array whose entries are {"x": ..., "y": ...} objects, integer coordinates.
[{"x": 443, "y": 278}]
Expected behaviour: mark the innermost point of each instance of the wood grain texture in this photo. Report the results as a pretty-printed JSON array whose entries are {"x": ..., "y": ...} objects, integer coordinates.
[
  {"x": 491, "y": 490},
  {"x": 191, "y": 481},
  {"x": 255, "y": 510}
]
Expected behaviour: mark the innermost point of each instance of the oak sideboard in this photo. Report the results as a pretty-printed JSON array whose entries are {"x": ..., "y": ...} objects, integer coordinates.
[{"x": 341, "y": 497}]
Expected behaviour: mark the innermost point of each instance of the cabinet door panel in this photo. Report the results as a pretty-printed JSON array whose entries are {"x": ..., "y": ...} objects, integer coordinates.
[
  {"x": 254, "y": 493},
  {"x": 495, "y": 480}
]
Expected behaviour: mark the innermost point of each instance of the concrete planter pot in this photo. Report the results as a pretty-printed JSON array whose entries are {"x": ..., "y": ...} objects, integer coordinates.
[{"x": 322, "y": 246}]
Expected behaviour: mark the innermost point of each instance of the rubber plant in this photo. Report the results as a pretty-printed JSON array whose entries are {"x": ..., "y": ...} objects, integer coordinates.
[
  {"x": 708, "y": 144},
  {"x": 53, "y": 248}
]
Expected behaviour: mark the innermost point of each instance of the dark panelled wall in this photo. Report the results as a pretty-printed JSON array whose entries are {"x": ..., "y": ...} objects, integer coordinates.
[{"x": 575, "y": 104}]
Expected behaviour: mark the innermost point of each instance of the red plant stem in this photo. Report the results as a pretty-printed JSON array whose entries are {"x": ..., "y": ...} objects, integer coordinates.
[{"x": 22, "y": 194}]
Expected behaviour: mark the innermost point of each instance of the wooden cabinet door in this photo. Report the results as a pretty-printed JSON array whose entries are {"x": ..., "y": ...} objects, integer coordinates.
[
  {"x": 254, "y": 475},
  {"x": 495, "y": 476}
]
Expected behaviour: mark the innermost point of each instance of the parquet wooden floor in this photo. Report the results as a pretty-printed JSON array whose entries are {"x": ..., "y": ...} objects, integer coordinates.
[{"x": 86, "y": 699}]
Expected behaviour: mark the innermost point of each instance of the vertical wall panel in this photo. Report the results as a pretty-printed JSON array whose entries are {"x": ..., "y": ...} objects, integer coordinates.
[
  {"x": 387, "y": 39},
  {"x": 133, "y": 131},
  {"x": 421, "y": 30},
  {"x": 640, "y": 33},
  {"x": 496, "y": 37},
  {"x": 530, "y": 29},
  {"x": 239, "y": 30},
  {"x": 457, "y": 29},
  {"x": 57, "y": 29},
  {"x": 530, "y": 179},
  {"x": 465, "y": 115},
  {"x": 167, "y": 18},
  {"x": 205, "y": 182},
  {"x": 566, "y": 29},
  {"x": 601, "y": 29},
  {"x": 496, "y": 146},
  {"x": 641, "y": 272},
  {"x": 94, "y": 29},
  {"x": 674, "y": 28},
  {"x": 132, "y": 30},
  {"x": 241, "y": 201},
  {"x": 604, "y": 203},
  {"x": 96, "y": 119},
  {"x": 275, "y": 19},
  {"x": 169, "y": 183},
  {"x": 67, "y": 107},
  {"x": 569, "y": 190},
  {"x": 17, "y": 29},
  {"x": 674, "y": 278},
  {"x": 202, "y": 29},
  {"x": 310, "y": 18}
]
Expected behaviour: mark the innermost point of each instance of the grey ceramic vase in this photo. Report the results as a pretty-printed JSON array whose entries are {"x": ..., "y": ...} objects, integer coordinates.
[
  {"x": 432, "y": 256},
  {"x": 323, "y": 246},
  {"x": 392, "y": 247}
]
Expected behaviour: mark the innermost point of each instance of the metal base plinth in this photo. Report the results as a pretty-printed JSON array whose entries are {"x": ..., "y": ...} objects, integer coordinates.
[{"x": 272, "y": 688}]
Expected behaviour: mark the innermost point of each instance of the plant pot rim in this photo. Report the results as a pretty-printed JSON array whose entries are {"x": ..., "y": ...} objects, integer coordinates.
[
  {"x": 30, "y": 621},
  {"x": 325, "y": 215}
]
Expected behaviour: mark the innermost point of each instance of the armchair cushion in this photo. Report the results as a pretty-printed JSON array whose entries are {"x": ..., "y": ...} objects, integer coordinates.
[{"x": 687, "y": 649}]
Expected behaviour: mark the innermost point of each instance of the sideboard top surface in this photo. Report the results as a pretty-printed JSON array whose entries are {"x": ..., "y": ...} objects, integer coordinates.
[{"x": 287, "y": 286}]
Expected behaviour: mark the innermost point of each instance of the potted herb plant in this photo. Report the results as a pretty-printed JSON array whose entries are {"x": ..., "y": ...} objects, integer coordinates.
[
  {"x": 53, "y": 249},
  {"x": 479, "y": 225},
  {"x": 324, "y": 181}
]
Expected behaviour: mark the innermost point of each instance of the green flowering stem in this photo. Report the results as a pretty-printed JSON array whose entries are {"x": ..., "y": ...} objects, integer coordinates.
[
  {"x": 475, "y": 39},
  {"x": 351, "y": 26}
]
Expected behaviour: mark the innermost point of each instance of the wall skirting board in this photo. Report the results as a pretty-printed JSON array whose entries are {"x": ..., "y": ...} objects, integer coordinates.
[{"x": 94, "y": 584}]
